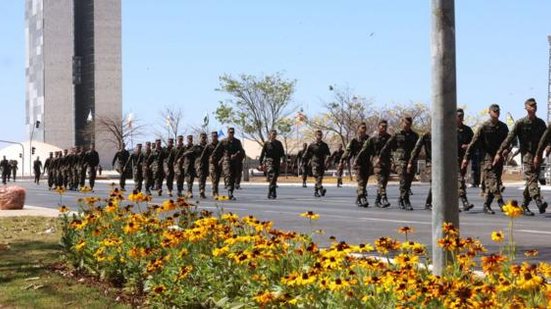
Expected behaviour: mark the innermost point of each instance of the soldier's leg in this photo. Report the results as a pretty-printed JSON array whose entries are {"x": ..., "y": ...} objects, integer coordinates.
[
  {"x": 238, "y": 174},
  {"x": 82, "y": 177},
  {"x": 304, "y": 175},
  {"x": 270, "y": 175},
  {"x": 215, "y": 179},
  {"x": 229, "y": 169},
  {"x": 180, "y": 182},
  {"x": 532, "y": 184},
  {"x": 202, "y": 182},
  {"x": 492, "y": 186},
  {"x": 362, "y": 176},
  {"x": 190, "y": 178},
  {"x": 122, "y": 180},
  {"x": 93, "y": 175},
  {"x": 462, "y": 192},
  {"x": 498, "y": 170},
  {"x": 170, "y": 181},
  {"x": 274, "y": 180}
]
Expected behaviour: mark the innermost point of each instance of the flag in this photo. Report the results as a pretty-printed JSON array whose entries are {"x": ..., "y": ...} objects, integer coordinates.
[
  {"x": 90, "y": 117},
  {"x": 509, "y": 120},
  {"x": 129, "y": 119},
  {"x": 221, "y": 133},
  {"x": 300, "y": 117}
]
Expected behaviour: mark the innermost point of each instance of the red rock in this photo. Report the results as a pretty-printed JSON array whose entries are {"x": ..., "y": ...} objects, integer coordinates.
[{"x": 12, "y": 197}]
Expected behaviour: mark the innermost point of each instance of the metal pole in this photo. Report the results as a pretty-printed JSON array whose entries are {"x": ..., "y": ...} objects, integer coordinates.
[{"x": 444, "y": 132}]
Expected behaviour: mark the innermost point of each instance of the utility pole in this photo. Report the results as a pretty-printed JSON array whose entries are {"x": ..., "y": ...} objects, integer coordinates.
[
  {"x": 549, "y": 83},
  {"x": 444, "y": 131}
]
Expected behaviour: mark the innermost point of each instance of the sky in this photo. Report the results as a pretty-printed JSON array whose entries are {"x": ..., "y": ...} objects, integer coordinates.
[{"x": 174, "y": 52}]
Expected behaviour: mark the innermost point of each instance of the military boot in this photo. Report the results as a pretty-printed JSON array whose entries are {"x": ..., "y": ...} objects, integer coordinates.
[
  {"x": 359, "y": 201},
  {"x": 525, "y": 208},
  {"x": 466, "y": 205},
  {"x": 378, "y": 201},
  {"x": 541, "y": 204},
  {"x": 487, "y": 208},
  {"x": 304, "y": 184},
  {"x": 365, "y": 202},
  {"x": 386, "y": 203},
  {"x": 316, "y": 193},
  {"x": 401, "y": 203},
  {"x": 202, "y": 195},
  {"x": 230, "y": 195},
  {"x": 500, "y": 203},
  {"x": 270, "y": 192},
  {"x": 323, "y": 191},
  {"x": 407, "y": 204},
  {"x": 274, "y": 193}
]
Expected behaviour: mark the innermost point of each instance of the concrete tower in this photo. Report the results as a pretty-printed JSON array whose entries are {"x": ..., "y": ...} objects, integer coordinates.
[{"x": 73, "y": 71}]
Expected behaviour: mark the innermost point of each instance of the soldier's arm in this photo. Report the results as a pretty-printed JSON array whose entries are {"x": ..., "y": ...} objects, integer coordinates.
[
  {"x": 417, "y": 149},
  {"x": 473, "y": 145},
  {"x": 385, "y": 151},
  {"x": 262, "y": 154},
  {"x": 509, "y": 139},
  {"x": 346, "y": 155},
  {"x": 115, "y": 159},
  {"x": 544, "y": 141}
]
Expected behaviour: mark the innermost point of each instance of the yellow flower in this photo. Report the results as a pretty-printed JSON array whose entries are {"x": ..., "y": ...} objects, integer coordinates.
[
  {"x": 80, "y": 245},
  {"x": 167, "y": 205},
  {"x": 406, "y": 230},
  {"x": 221, "y": 198},
  {"x": 85, "y": 189},
  {"x": 512, "y": 209},
  {"x": 159, "y": 289},
  {"x": 184, "y": 271},
  {"x": 138, "y": 197},
  {"x": 63, "y": 209},
  {"x": 310, "y": 215},
  {"x": 265, "y": 298},
  {"x": 497, "y": 236}
]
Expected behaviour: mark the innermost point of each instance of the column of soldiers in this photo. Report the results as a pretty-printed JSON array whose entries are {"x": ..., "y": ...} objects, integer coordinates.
[
  {"x": 184, "y": 163},
  {"x": 69, "y": 169}
]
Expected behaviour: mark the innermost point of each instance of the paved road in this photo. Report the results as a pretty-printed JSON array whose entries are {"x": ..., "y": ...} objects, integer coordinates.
[{"x": 339, "y": 216}]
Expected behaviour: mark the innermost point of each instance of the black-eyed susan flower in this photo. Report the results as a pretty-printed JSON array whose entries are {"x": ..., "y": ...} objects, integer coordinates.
[{"x": 310, "y": 215}]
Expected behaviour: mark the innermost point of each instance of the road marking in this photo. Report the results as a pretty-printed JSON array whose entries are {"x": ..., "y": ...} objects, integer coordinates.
[{"x": 534, "y": 232}]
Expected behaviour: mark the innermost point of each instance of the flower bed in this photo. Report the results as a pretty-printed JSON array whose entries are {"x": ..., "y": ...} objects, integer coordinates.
[{"x": 181, "y": 257}]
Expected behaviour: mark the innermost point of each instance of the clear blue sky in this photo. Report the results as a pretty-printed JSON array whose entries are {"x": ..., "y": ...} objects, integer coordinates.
[{"x": 174, "y": 51}]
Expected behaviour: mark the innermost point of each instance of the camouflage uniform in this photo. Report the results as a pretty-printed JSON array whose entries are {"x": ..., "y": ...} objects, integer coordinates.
[
  {"x": 179, "y": 167},
  {"x": 136, "y": 163},
  {"x": 487, "y": 140},
  {"x": 148, "y": 158},
  {"x": 335, "y": 159},
  {"x": 48, "y": 168},
  {"x": 121, "y": 158},
  {"x": 529, "y": 133},
  {"x": 82, "y": 167},
  {"x": 157, "y": 166},
  {"x": 371, "y": 150},
  {"x": 303, "y": 165},
  {"x": 316, "y": 153},
  {"x": 402, "y": 143},
  {"x": 362, "y": 168},
  {"x": 169, "y": 167},
  {"x": 213, "y": 166},
  {"x": 201, "y": 169},
  {"x": 239, "y": 170},
  {"x": 189, "y": 167},
  {"x": 92, "y": 161},
  {"x": 464, "y": 137},
  {"x": 424, "y": 142},
  {"x": 230, "y": 152},
  {"x": 271, "y": 155}
]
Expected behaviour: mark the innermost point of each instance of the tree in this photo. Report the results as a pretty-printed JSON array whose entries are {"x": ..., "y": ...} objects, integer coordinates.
[
  {"x": 116, "y": 131},
  {"x": 257, "y": 105},
  {"x": 343, "y": 114},
  {"x": 172, "y": 117},
  {"x": 420, "y": 113}
]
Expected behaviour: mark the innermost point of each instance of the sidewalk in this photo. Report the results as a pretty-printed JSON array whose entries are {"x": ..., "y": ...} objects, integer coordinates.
[{"x": 27, "y": 210}]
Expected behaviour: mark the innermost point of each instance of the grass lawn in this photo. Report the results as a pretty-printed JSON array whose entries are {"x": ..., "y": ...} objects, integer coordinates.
[{"x": 29, "y": 248}]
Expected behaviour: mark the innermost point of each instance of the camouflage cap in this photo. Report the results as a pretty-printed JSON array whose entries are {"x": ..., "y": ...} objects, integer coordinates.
[
  {"x": 494, "y": 107},
  {"x": 460, "y": 112},
  {"x": 531, "y": 102},
  {"x": 214, "y": 133},
  {"x": 138, "y": 145},
  {"x": 171, "y": 140}
]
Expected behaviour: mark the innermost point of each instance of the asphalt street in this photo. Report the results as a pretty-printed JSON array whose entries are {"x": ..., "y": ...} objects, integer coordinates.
[{"x": 339, "y": 216}]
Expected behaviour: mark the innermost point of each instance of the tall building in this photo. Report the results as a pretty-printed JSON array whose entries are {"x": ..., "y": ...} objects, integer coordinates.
[{"x": 73, "y": 71}]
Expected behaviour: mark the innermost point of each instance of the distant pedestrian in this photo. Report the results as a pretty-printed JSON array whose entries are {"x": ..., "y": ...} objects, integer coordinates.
[{"x": 37, "y": 168}]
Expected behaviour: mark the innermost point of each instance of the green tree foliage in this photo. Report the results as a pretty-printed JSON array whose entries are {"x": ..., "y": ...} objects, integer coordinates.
[{"x": 257, "y": 105}]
